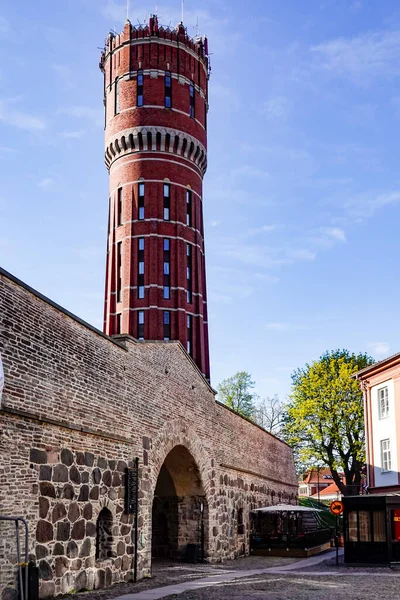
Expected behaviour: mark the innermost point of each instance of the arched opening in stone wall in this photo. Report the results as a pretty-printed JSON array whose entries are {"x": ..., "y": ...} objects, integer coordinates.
[
  {"x": 180, "y": 510},
  {"x": 104, "y": 537}
]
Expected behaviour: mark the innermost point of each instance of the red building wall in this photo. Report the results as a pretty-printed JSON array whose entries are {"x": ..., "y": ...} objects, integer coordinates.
[{"x": 156, "y": 145}]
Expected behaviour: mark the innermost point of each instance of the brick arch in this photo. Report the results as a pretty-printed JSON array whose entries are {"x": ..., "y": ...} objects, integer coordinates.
[{"x": 177, "y": 433}]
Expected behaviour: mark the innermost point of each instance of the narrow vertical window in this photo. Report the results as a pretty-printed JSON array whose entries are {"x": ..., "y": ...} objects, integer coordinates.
[
  {"x": 119, "y": 271},
  {"x": 167, "y": 201},
  {"x": 192, "y": 97},
  {"x": 189, "y": 273},
  {"x": 141, "y": 268},
  {"x": 140, "y": 86},
  {"x": 167, "y": 325},
  {"x": 118, "y": 324},
  {"x": 141, "y": 202},
  {"x": 116, "y": 97},
  {"x": 383, "y": 396},
  {"x": 140, "y": 324},
  {"x": 119, "y": 207},
  {"x": 386, "y": 458},
  {"x": 168, "y": 90},
  {"x": 166, "y": 270},
  {"x": 188, "y": 208},
  {"x": 189, "y": 334}
]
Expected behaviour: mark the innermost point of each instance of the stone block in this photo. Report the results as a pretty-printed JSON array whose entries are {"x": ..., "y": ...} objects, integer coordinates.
[
  {"x": 74, "y": 475},
  {"x": 78, "y": 530},
  {"x": 60, "y": 473},
  {"x": 67, "y": 458},
  {"x": 83, "y": 493},
  {"x": 37, "y": 456},
  {"x": 59, "y": 512},
  {"x": 41, "y": 551},
  {"x": 74, "y": 512},
  {"x": 80, "y": 458},
  {"x": 72, "y": 549},
  {"x": 47, "y": 589},
  {"x": 102, "y": 463},
  {"x": 63, "y": 529},
  {"x": 85, "y": 548},
  {"x": 68, "y": 492},
  {"x": 45, "y": 472},
  {"x": 87, "y": 512},
  {"x": 44, "y": 505},
  {"x": 47, "y": 489},
  {"x": 44, "y": 531},
  {"x": 94, "y": 493},
  {"x": 89, "y": 459},
  {"x": 45, "y": 570},
  {"x": 58, "y": 549},
  {"x": 96, "y": 475},
  {"x": 81, "y": 581}
]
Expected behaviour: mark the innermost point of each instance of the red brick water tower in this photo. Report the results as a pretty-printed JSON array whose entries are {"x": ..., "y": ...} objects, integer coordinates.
[{"x": 156, "y": 102}]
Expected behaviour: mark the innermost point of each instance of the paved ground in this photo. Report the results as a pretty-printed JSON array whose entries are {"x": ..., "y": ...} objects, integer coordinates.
[{"x": 257, "y": 578}]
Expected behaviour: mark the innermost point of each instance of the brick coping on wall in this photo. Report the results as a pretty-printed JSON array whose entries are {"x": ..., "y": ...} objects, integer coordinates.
[{"x": 118, "y": 340}]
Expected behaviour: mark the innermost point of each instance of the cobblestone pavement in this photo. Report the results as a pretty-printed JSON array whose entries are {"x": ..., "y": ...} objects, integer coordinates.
[
  {"x": 167, "y": 573},
  {"x": 293, "y": 586}
]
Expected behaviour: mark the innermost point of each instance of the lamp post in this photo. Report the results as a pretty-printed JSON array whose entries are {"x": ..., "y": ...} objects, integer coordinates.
[{"x": 202, "y": 531}]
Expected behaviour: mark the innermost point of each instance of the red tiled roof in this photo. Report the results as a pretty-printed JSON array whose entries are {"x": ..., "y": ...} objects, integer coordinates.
[
  {"x": 324, "y": 476},
  {"x": 331, "y": 489}
]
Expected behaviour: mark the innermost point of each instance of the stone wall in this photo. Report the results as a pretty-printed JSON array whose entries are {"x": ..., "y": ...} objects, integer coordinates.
[{"x": 77, "y": 408}]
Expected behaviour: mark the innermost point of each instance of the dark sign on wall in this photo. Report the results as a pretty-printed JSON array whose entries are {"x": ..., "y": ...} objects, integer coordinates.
[{"x": 132, "y": 489}]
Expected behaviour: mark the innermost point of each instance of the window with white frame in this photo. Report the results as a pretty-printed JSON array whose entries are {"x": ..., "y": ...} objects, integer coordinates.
[
  {"x": 386, "y": 459},
  {"x": 383, "y": 398}
]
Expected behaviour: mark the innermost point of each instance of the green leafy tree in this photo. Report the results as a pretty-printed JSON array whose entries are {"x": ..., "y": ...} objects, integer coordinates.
[
  {"x": 324, "y": 418},
  {"x": 236, "y": 392}
]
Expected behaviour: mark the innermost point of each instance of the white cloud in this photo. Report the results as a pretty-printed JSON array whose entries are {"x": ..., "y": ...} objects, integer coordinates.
[
  {"x": 335, "y": 233},
  {"x": 45, "y": 182},
  {"x": 277, "y": 326},
  {"x": 20, "y": 119},
  {"x": 214, "y": 223},
  {"x": 276, "y": 108},
  {"x": 361, "y": 58},
  {"x": 250, "y": 171},
  {"x": 5, "y": 29},
  {"x": 379, "y": 349},
  {"x": 365, "y": 205}
]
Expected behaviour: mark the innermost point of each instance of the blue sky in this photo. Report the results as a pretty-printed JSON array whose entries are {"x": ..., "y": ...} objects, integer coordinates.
[{"x": 302, "y": 193}]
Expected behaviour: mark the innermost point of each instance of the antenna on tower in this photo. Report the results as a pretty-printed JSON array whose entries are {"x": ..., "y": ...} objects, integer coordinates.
[
  {"x": 183, "y": 10},
  {"x": 197, "y": 27},
  {"x": 127, "y": 10}
]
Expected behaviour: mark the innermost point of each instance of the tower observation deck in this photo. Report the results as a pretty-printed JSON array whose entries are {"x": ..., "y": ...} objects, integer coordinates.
[{"x": 156, "y": 103}]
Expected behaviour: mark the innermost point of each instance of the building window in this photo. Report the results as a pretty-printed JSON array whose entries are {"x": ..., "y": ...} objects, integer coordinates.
[
  {"x": 166, "y": 270},
  {"x": 379, "y": 525},
  {"x": 167, "y": 325},
  {"x": 140, "y": 85},
  {"x": 116, "y": 97},
  {"x": 189, "y": 273},
  {"x": 119, "y": 207},
  {"x": 119, "y": 271},
  {"x": 141, "y": 268},
  {"x": 192, "y": 95},
  {"x": 386, "y": 459},
  {"x": 140, "y": 324},
  {"x": 118, "y": 323},
  {"x": 141, "y": 202},
  {"x": 383, "y": 395},
  {"x": 167, "y": 201},
  {"x": 189, "y": 334},
  {"x": 168, "y": 90},
  {"x": 188, "y": 208}
]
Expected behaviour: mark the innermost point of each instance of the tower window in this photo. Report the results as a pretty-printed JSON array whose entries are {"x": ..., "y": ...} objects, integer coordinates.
[
  {"x": 188, "y": 208},
  {"x": 141, "y": 268},
  {"x": 119, "y": 271},
  {"x": 189, "y": 273},
  {"x": 192, "y": 96},
  {"x": 141, "y": 202},
  {"x": 140, "y": 86},
  {"x": 167, "y": 325},
  {"x": 189, "y": 334},
  {"x": 119, "y": 207},
  {"x": 118, "y": 323},
  {"x": 116, "y": 97},
  {"x": 166, "y": 270},
  {"x": 168, "y": 90},
  {"x": 167, "y": 201},
  {"x": 104, "y": 535},
  {"x": 140, "y": 324}
]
